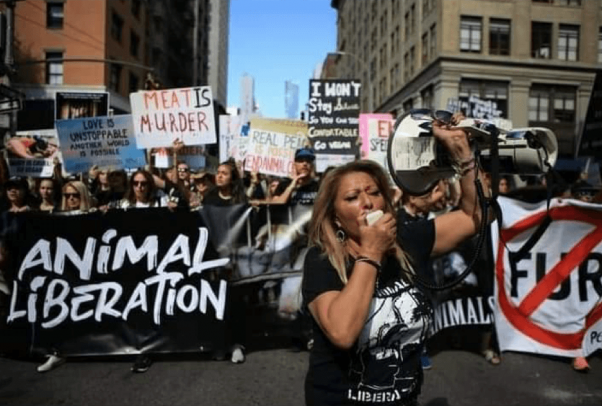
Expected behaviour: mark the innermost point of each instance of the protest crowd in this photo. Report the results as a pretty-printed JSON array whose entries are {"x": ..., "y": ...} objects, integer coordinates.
[{"x": 254, "y": 228}]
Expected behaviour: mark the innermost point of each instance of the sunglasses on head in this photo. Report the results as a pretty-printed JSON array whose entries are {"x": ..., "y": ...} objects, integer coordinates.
[
  {"x": 69, "y": 195},
  {"x": 140, "y": 183},
  {"x": 442, "y": 116}
]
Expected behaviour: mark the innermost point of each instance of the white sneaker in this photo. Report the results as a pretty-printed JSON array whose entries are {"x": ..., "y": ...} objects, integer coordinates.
[
  {"x": 52, "y": 362},
  {"x": 238, "y": 355}
]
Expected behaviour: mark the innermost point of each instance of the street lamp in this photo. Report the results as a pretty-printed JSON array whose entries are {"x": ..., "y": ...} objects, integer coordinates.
[{"x": 361, "y": 62}]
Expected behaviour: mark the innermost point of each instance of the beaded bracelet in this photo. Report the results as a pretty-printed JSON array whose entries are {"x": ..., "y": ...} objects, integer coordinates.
[
  {"x": 370, "y": 261},
  {"x": 462, "y": 167}
]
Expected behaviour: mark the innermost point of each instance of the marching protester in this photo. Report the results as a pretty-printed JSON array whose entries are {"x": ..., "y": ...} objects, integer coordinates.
[
  {"x": 228, "y": 188},
  {"x": 76, "y": 197},
  {"x": 370, "y": 318},
  {"x": 303, "y": 187},
  {"x": 141, "y": 192},
  {"x": 49, "y": 196},
  {"x": 202, "y": 182},
  {"x": 18, "y": 198},
  {"x": 417, "y": 208}
]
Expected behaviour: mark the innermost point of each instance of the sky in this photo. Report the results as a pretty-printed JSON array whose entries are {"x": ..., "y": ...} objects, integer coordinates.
[{"x": 275, "y": 41}]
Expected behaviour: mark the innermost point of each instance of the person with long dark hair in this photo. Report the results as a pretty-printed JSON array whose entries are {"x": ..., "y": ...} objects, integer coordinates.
[{"x": 229, "y": 188}]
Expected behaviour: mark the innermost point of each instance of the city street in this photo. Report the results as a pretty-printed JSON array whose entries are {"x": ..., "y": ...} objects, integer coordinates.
[{"x": 275, "y": 377}]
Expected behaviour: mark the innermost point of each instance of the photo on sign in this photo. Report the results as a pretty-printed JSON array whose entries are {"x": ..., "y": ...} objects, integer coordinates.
[
  {"x": 33, "y": 145},
  {"x": 33, "y": 153},
  {"x": 77, "y": 105}
]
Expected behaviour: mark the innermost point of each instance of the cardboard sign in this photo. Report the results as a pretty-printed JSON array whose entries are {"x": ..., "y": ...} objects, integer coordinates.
[
  {"x": 272, "y": 145},
  {"x": 32, "y": 153},
  {"x": 102, "y": 141},
  {"x": 162, "y": 116},
  {"x": 333, "y": 116},
  {"x": 374, "y": 133}
]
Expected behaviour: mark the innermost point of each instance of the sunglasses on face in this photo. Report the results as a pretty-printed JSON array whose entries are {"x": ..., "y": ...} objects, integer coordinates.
[
  {"x": 73, "y": 195},
  {"x": 442, "y": 116},
  {"x": 182, "y": 169},
  {"x": 140, "y": 183}
]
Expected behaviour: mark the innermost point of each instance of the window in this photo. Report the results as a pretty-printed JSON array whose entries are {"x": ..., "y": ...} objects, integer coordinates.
[
  {"x": 406, "y": 67},
  {"x": 552, "y": 103},
  {"x": 136, "y": 8},
  {"x": 568, "y": 42},
  {"x": 600, "y": 45},
  {"x": 412, "y": 61},
  {"x": 433, "y": 41},
  {"x": 427, "y": 97},
  {"x": 116, "y": 27},
  {"x": 541, "y": 40},
  {"x": 408, "y": 105},
  {"x": 493, "y": 93},
  {"x": 134, "y": 83},
  {"x": 543, "y": 1},
  {"x": 412, "y": 18},
  {"x": 134, "y": 44},
  {"x": 470, "y": 34},
  {"x": 425, "y": 49},
  {"x": 499, "y": 37},
  {"x": 392, "y": 80},
  {"x": 406, "y": 21},
  {"x": 54, "y": 68},
  {"x": 115, "y": 78},
  {"x": 568, "y": 2},
  {"x": 54, "y": 15}
]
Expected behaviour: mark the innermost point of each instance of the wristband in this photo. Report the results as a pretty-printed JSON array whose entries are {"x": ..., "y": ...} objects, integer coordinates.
[
  {"x": 370, "y": 261},
  {"x": 462, "y": 167}
]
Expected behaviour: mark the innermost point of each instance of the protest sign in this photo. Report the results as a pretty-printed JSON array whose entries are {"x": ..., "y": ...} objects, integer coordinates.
[
  {"x": 162, "y": 116},
  {"x": 70, "y": 105},
  {"x": 548, "y": 300},
  {"x": 32, "y": 153},
  {"x": 193, "y": 156},
  {"x": 102, "y": 141},
  {"x": 233, "y": 137},
  {"x": 374, "y": 132},
  {"x": 333, "y": 116},
  {"x": 272, "y": 145},
  {"x": 474, "y": 107}
]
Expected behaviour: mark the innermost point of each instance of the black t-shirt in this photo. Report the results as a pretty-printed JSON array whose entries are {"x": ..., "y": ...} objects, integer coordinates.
[
  {"x": 383, "y": 367},
  {"x": 304, "y": 194}
]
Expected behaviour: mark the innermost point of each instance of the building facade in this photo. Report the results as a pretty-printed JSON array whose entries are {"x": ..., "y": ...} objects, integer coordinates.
[
  {"x": 291, "y": 100},
  {"x": 534, "y": 60},
  {"x": 219, "y": 27},
  {"x": 247, "y": 96},
  {"x": 106, "y": 46}
]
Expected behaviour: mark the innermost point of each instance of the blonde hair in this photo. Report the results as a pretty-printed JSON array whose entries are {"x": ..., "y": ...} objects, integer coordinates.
[
  {"x": 322, "y": 229},
  {"x": 85, "y": 202}
]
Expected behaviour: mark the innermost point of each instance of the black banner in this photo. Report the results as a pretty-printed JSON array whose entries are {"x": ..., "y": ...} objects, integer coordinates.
[{"x": 122, "y": 282}]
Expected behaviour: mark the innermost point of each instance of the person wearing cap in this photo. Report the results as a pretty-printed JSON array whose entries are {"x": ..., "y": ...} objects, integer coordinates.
[
  {"x": 303, "y": 187},
  {"x": 17, "y": 195},
  {"x": 202, "y": 182}
]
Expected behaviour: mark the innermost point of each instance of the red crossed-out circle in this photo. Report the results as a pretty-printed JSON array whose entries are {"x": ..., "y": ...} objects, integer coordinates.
[{"x": 519, "y": 315}]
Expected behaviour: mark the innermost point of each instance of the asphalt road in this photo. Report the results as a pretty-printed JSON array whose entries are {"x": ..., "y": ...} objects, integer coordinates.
[{"x": 275, "y": 377}]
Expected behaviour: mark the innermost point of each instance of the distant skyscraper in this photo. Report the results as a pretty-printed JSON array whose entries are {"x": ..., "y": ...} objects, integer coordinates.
[
  {"x": 219, "y": 22},
  {"x": 247, "y": 95},
  {"x": 291, "y": 100}
]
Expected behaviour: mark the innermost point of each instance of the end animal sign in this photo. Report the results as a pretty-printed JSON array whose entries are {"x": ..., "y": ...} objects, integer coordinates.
[{"x": 162, "y": 116}]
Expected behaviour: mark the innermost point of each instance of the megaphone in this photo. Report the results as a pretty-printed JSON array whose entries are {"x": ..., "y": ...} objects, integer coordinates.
[{"x": 417, "y": 161}]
